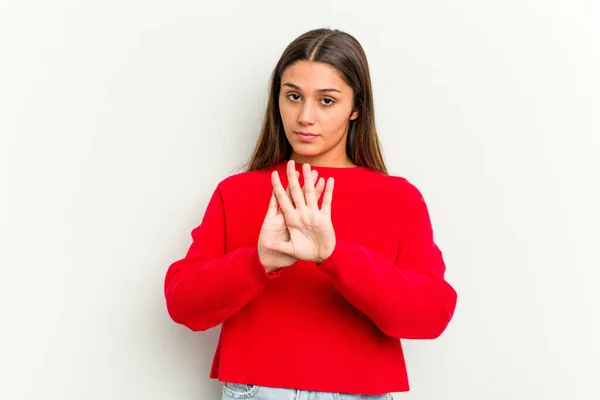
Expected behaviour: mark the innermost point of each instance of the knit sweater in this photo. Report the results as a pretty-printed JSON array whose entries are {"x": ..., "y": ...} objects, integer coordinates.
[{"x": 333, "y": 327}]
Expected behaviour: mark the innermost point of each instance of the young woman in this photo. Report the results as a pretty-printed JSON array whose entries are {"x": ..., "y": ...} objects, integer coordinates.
[{"x": 314, "y": 286}]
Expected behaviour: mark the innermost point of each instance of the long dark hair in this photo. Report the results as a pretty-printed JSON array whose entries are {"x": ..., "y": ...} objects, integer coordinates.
[{"x": 343, "y": 52}]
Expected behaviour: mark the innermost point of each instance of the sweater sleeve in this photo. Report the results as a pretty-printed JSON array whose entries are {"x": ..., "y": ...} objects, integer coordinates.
[
  {"x": 209, "y": 285},
  {"x": 408, "y": 298}
]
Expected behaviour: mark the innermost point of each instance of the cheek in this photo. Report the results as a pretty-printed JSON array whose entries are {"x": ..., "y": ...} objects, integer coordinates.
[
  {"x": 284, "y": 111},
  {"x": 335, "y": 121}
]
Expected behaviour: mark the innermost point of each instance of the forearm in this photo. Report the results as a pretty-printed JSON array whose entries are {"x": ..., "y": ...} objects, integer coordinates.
[
  {"x": 403, "y": 303},
  {"x": 201, "y": 294}
]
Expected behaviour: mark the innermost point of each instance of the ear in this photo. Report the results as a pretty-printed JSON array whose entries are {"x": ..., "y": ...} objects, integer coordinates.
[{"x": 354, "y": 115}]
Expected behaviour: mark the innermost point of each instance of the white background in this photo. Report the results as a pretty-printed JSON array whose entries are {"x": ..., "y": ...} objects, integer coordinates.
[{"x": 118, "y": 118}]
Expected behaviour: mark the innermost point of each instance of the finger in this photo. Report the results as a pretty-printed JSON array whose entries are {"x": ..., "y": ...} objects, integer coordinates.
[
  {"x": 315, "y": 176},
  {"x": 289, "y": 196},
  {"x": 296, "y": 190},
  {"x": 309, "y": 188},
  {"x": 318, "y": 191},
  {"x": 319, "y": 188},
  {"x": 273, "y": 206},
  {"x": 328, "y": 197},
  {"x": 288, "y": 191},
  {"x": 282, "y": 198},
  {"x": 283, "y": 247}
]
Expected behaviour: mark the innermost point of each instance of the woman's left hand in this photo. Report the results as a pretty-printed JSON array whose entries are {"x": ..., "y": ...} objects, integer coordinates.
[{"x": 311, "y": 233}]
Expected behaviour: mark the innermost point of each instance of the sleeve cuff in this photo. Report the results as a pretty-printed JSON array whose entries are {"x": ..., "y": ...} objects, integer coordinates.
[
  {"x": 259, "y": 270},
  {"x": 336, "y": 259}
]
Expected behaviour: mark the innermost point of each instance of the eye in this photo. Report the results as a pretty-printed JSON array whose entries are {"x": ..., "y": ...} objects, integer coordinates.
[
  {"x": 327, "y": 101},
  {"x": 293, "y": 96}
]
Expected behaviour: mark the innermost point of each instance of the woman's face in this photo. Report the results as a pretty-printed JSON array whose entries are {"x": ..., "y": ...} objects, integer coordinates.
[{"x": 316, "y": 108}]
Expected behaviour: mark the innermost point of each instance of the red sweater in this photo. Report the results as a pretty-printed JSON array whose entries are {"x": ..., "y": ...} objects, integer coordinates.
[{"x": 334, "y": 327}]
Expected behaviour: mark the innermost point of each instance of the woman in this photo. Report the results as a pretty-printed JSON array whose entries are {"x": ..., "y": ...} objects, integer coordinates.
[{"x": 314, "y": 287}]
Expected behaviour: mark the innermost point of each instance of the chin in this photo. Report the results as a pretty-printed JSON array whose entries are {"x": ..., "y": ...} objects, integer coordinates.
[{"x": 306, "y": 151}]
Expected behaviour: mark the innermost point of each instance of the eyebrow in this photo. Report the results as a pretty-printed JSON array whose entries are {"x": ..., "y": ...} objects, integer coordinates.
[{"x": 319, "y": 90}]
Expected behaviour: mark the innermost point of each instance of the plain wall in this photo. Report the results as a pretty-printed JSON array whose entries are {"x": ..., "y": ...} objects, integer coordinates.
[{"x": 118, "y": 119}]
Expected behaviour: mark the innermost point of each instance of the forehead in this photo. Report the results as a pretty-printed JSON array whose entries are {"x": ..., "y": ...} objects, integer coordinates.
[{"x": 310, "y": 75}]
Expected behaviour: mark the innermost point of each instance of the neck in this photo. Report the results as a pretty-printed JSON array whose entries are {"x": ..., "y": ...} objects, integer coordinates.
[{"x": 323, "y": 160}]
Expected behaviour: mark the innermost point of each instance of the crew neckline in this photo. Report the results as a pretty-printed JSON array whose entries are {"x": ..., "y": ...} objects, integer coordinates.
[{"x": 282, "y": 166}]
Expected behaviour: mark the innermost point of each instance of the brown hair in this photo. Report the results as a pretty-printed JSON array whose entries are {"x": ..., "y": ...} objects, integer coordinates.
[{"x": 343, "y": 52}]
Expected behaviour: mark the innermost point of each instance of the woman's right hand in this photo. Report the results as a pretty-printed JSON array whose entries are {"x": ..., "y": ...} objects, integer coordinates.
[{"x": 275, "y": 229}]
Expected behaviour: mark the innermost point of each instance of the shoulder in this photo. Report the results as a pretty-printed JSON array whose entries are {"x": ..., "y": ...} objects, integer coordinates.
[
  {"x": 242, "y": 181},
  {"x": 397, "y": 186}
]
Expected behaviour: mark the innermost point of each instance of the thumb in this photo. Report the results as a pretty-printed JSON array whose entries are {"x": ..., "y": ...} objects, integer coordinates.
[{"x": 282, "y": 247}]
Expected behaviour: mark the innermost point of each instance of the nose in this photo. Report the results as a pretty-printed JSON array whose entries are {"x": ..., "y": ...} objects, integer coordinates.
[{"x": 307, "y": 114}]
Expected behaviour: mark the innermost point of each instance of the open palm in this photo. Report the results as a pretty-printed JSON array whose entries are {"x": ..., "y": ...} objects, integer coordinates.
[
  {"x": 274, "y": 229},
  {"x": 311, "y": 236}
]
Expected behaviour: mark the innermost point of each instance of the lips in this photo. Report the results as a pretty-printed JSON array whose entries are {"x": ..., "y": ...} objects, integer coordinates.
[
  {"x": 307, "y": 134},
  {"x": 306, "y": 137}
]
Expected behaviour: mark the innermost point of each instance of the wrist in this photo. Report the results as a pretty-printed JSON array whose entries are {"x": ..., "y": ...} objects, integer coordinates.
[
  {"x": 270, "y": 269},
  {"x": 325, "y": 255}
]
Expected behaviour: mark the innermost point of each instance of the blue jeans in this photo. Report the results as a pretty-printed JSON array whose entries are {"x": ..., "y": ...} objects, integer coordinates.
[{"x": 233, "y": 391}]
